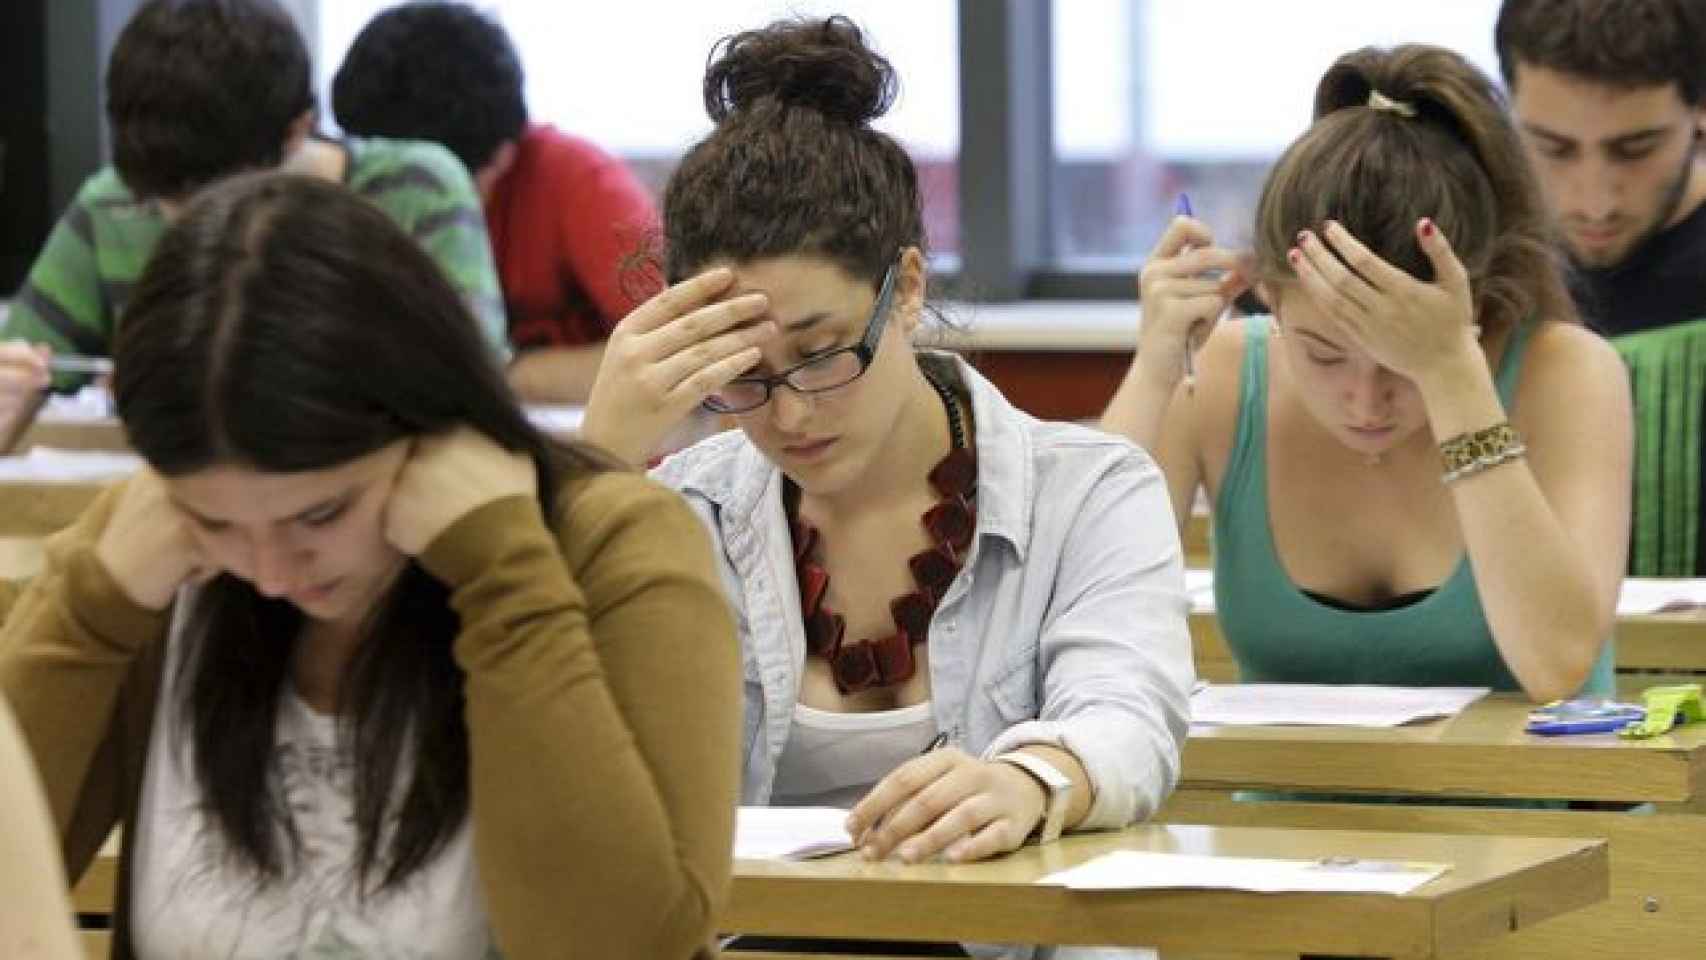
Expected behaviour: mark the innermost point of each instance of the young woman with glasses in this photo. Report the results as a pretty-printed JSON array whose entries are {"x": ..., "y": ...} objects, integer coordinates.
[{"x": 913, "y": 562}]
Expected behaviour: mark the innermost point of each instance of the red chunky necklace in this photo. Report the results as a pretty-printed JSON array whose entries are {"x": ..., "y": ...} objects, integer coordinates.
[{"x": 865, "y": 664}]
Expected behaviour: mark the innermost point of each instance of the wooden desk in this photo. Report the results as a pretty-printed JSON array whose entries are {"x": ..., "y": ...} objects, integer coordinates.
[
  {"x": 107, "y": 434},
  {"x": 1662, "y": 642},
  {"x": 1482, "y": 752},
  {"x": 1658, "y": 884},
  {"x": 30, "y": 509},
  {"x": 1496, "y": 885}
]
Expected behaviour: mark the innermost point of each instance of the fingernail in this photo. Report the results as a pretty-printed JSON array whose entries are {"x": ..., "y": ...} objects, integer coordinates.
[
  {"x": 1427, "y": 227},
  {"x": 1302, "y": 235},
  {"x": 909, "y": 853},
  {"x": 956, "y": 852},
  {"x": 1294, "y": 255},
  {"x": 868, "y": 852}
]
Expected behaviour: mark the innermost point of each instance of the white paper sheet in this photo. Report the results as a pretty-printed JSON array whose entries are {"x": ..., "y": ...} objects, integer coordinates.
[
  {"x": 558, "y": 418},
  {"x": 53, "y": 465},
  {"x": 790, "y": 833},
  {"x": 1651, "y": 595},
  {"x": 1143, "y": 870},
  {"x": 1327, "y": 705},
  {"x": 1199, "y": 590},
  {"x": 92, "y": 404}
]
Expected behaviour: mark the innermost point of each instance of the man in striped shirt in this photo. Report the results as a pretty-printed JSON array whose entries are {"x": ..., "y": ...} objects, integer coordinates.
[{"x": 198, "y": 90}]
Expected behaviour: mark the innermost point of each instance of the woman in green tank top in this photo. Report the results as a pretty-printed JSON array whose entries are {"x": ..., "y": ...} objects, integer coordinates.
[{"x": 1421, "y": 332}]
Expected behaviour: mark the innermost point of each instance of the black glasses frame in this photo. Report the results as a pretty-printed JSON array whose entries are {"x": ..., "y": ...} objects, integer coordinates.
[{"x": 865, "y": 350}]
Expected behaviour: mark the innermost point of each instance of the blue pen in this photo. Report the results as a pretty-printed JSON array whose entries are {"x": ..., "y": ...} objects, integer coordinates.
[{"x": 1183, "y": 209}]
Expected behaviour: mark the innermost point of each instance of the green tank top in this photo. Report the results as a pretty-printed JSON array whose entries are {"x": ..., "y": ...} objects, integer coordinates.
[{"x": 1279, "y": 634}]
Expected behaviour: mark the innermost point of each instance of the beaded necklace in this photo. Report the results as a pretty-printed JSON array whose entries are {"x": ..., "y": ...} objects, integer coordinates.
[{"x": 882, "y": 662}]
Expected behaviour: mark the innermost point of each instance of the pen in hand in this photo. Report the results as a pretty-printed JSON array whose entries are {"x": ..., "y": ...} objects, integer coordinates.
[
  {"x": 937, "y": 742},
  {"x": 1183, "y": 208},
  {"x": 72, "y": 363}
]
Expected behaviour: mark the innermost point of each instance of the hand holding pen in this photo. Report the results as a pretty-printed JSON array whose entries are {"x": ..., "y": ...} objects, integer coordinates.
[{"x": 1186, "y": 287}]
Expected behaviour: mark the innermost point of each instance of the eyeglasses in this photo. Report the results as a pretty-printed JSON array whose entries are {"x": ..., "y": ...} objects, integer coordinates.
[{"x": 826, "y": 371}]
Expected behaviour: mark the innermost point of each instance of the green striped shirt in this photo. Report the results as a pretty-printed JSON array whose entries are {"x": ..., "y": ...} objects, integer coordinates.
[{"x": 86, "y": 272}]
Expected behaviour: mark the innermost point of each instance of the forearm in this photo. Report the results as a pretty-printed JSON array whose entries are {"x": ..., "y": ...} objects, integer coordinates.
[
  {"x": 646, "y": 791},
  {"x": 1547, "y": 612},
  {"x": 70, "y": 641},
  {"x": 35, "y": 913},
  {"x": 556, "y": 374},
  {"x": 1139, "y": 407}
]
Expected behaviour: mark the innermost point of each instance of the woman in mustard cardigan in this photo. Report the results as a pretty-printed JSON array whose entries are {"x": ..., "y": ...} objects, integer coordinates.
[{"x": 361, "y": 662}]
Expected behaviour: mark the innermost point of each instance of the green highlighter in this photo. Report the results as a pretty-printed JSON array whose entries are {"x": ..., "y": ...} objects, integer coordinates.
[{"x": 1667, "y": 707}]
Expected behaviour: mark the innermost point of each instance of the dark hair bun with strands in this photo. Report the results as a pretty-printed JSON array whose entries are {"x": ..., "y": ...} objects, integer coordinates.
[{"x": 820, "y": 65}]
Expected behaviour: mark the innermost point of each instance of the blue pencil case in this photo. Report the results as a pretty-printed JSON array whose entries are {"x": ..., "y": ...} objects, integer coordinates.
[{"x": 1583, "y": 716}]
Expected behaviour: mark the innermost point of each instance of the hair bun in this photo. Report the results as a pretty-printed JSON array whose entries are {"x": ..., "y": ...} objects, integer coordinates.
[{"x": 821, "y": 65}]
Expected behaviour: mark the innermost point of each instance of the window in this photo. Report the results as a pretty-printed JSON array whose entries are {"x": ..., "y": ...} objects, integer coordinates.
[
  {"x": 1157, "y": 97},
  {"x": 626, "y": 75}
]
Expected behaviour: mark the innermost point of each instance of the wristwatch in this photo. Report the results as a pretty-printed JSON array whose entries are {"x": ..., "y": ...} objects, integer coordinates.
[{"x": 1057, "y": 785}]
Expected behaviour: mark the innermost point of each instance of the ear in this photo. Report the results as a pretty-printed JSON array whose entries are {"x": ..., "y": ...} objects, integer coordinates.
[
  {"x": 502, "y": 161},
  {"x": 298, "y": 132},
  {"x": 910, "y": 282}
]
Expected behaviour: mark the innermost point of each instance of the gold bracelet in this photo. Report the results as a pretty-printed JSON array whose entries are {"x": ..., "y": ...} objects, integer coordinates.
[{"x": 1470, "y": 453}]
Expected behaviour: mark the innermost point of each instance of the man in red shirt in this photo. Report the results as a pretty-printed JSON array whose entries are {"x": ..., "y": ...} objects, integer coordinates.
[{"x": 572, "y": 229}]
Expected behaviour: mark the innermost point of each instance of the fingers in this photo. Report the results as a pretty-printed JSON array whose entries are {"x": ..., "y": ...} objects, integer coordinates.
[
  {"x": 690, "y": 368},
  {"x": 1377, "y": 273},
  {"x": 1201, "y": 262},
  {"x": 907, "y": 830},
  {"x": 972, "y": 816},
  {"x": 997, "y": 837},
  {"x": 684, "y": 297},
  {"x": 1181, "y": 233},
  {"x": 904, "y": 782},
  {"x": 23, "y": 368},
  {"x": 1448, "y": 270},
  {"x": 1332, "y": 285},
  {"x": 736, "y": 314}
]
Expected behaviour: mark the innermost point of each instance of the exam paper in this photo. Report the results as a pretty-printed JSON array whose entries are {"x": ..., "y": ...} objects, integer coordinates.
[
  {"x": 1653, "y": 595},
  {"x": 92, "y": 404},
  {"x": 1143, "y": 870},
  {"x": 53, "y": 465},
  {"x": 1327, "y": 705},
  {"x": 790, "y": 833},
  {"x": 557, "y": 418}
]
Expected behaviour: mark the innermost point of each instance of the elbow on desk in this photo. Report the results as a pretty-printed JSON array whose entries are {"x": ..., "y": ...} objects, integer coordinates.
[{"x": 1562, "y": 675}]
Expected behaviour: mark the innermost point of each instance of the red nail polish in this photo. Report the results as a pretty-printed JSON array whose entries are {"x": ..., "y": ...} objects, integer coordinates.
[{"x": 1427, "y": 227}]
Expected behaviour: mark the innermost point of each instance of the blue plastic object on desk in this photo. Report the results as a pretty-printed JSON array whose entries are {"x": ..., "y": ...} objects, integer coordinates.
[{"x": 1583, "y": 716}]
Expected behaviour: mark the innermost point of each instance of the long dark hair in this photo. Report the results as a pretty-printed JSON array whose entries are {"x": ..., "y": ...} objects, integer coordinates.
[
  {"x": 794, "y": 166},
  {"x": 1457, "y": 161},
  {"x": 284, "y": 324}
]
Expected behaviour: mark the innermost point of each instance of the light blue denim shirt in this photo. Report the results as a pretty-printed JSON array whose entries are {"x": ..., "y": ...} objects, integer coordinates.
[{"x": 1066, "y": 626}]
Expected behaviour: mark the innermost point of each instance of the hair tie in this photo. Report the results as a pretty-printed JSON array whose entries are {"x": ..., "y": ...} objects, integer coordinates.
[{"x": 1380, "y": 101}]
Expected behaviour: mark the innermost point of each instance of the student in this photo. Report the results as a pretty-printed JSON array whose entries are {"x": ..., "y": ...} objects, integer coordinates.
[
  {"x": 35, "y": 914},
  {"x": 198, "y": 90},
  {"x": 1611, "y": 98},
  {"x": 567, "y": 220},
  {"x": 909, "y": 556},
  {"x": 1419, "y": 466},
  {"x": 357, "y": 627}
]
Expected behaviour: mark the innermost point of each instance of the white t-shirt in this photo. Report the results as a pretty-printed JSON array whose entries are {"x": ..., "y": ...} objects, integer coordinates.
[
  {"x": 189, "y": 900},
  {"x": 833, "y": 759}
]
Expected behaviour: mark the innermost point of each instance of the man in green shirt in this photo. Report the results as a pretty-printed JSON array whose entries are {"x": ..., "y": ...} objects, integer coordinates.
[{"x": 198, "y": 90}]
